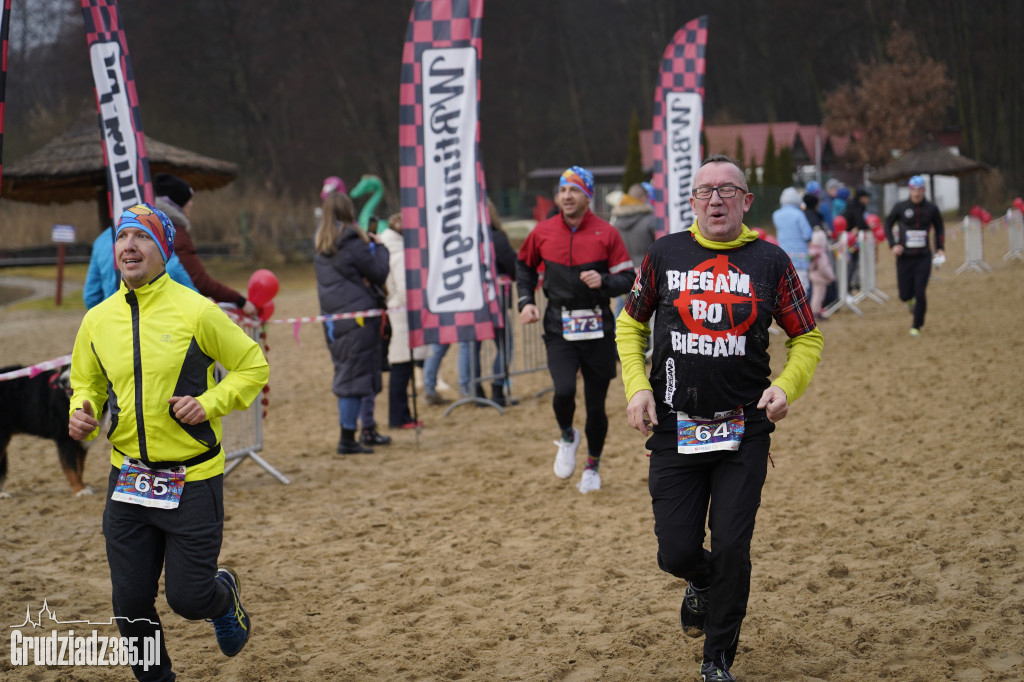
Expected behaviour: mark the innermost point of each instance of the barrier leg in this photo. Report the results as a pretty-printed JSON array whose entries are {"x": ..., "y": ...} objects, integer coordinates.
[{"x": 844, "y": 299}]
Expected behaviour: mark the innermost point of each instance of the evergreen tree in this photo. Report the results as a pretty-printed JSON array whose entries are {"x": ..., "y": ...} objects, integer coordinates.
[
  {"x": 770, "y": 163},
  {"x": 784, "y": 170},
  {"x": 634, "y": 170},
  {"x": 739, "y": 151}
]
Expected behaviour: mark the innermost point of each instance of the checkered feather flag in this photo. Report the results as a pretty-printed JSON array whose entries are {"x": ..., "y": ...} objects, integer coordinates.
[
  {"x": 120, "y": 120},
  {"x": 678, "y": 120},
  {"x": 449, "y": 269},
  {"x": 5, "y": 28}
]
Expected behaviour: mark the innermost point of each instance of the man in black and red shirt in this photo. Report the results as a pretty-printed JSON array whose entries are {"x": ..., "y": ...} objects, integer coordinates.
[
  {"x": 916, "y": 216},
  {"x": 585, "y": 265},
  {"x": 710, "y": 403}
]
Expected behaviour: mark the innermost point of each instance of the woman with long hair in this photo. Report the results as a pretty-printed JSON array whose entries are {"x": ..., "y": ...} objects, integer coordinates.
[{"x": 348, "y": 263}]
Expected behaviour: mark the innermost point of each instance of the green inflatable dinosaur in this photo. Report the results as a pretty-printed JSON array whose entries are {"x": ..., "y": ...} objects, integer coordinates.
[{"x": 368, "y": 184}]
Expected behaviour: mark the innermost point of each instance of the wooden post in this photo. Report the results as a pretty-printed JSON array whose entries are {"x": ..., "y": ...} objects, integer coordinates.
[{"x": 60, "y": 273}]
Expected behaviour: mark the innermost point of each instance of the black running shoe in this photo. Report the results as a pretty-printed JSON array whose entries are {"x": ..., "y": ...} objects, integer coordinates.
[
  {"x": 713, "y": 672},
  {"x": 694, "y": 611}
]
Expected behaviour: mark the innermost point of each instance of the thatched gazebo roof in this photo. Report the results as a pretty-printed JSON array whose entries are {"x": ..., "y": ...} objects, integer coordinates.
[
  {"x": 927, "y": 158},
  {"x": 70, "y": 167}
]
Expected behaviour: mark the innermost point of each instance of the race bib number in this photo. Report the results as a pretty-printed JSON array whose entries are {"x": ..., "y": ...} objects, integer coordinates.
[
  {"x": 138, "y": 484},
  {"x": 581, "y": 325},
  {"x": 917, "y": 239},
  {"x": 723, "y": 432}
]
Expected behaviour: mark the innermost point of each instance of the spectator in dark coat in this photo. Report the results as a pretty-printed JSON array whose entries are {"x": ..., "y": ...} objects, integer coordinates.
[
  {"x": 856, "y": 220},
  {"x": 348, "y": 262},
  {"x": 505, "y": 264},
  {"x": 174, "y": 197}
]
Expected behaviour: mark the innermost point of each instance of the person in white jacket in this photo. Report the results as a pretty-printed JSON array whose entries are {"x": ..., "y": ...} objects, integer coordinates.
[{"x": 399, "y": 356}]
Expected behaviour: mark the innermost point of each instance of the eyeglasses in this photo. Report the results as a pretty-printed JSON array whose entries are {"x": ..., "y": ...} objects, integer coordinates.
[{"x": 725, "y": 192}]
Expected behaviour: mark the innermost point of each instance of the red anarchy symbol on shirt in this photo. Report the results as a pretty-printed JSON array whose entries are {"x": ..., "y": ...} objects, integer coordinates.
[{"x": 716, "y": 302}]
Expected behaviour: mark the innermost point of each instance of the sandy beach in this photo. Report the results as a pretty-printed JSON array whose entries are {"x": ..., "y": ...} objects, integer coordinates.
[{"x": 888, "y": 544}]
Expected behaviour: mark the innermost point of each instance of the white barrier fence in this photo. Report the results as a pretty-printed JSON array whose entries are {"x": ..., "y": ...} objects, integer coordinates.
[
  {"x": 843, "y": 297},
  {"x": 974, "y": 256},
  {"x": 868, "y": 269},
  {"x": 1015, "y": 227}
]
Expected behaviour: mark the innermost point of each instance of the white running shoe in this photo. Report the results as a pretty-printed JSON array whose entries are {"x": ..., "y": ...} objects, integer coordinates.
[
  {"x": 565, "y": 460},
  {"x": 590, "y": 482}
]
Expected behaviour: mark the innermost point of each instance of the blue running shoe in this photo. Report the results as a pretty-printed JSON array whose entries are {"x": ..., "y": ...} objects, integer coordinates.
[{"x": 233, "y": 627}]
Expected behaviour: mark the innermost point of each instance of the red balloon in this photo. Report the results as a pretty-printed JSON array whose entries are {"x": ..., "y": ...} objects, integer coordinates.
[
  {"x": 851, "y": 239},
  {"x": 760, "y": 232},
  {"x": 266, "y": 311},
  {"x": 872, "y": 220},
  {"x": 975, "y": 212},
  {"x": 770, "y": 239},
  {"x": 879, "y": 232},
  {"x": 263, "y": 287},
  {"x": 838, "y": 225},
  {"x": 1018, "y": 203}
]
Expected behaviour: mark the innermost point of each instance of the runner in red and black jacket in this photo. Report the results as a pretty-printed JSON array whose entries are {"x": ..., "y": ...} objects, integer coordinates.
[{"x": 585, "y": 265}]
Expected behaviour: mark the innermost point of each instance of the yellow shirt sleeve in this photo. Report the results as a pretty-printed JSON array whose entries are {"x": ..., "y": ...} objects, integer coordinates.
[
  {"x": 802, "y": 356},
  {"x": 631, "y": 339}
]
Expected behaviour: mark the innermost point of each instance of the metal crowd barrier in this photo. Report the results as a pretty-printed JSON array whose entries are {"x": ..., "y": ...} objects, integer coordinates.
[
  {"x": 528, "y": 353},
  {"x": 973, "y": 249},
  {"x": 843, "y": 296},
  {"x": 1015, "y": 226},
  {"x": 243, "y": 429},
  {"x": 867, "y": 264}
]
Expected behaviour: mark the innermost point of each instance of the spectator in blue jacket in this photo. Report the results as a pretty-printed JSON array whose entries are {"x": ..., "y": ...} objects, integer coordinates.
[
  {"x": 102, "y": 279},
  {"x": 794, "y": 232}
]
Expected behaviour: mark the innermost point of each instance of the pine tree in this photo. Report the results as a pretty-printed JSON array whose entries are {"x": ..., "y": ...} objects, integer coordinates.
[
  {"x": 784, "y": 170},
  {"x": 770, "y": 163}
]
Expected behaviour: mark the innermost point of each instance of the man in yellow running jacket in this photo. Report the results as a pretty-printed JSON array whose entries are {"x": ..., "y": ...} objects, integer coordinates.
[
  {"x": 149, "y": 352},
  {"x": 709, "y": 404}
]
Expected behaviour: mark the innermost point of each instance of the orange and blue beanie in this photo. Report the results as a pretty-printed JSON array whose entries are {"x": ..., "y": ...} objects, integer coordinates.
[
  {"x": 580, "y": 177},
  {"x": 152, "y": 221}
]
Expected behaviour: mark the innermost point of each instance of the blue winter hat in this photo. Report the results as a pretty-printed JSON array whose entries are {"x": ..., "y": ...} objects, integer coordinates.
[
  {"x": 843, "y": 193},
  {"x": 152, "y": 221},
  {"x": 814, "y": 188},
  {"x": 649, "y": 188},
  {"x": 579, "y": 177},
  {"x": 916, "y": 182}
]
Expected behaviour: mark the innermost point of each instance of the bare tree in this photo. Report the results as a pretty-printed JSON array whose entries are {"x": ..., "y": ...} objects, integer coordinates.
[{"x": 894, "y": 104}]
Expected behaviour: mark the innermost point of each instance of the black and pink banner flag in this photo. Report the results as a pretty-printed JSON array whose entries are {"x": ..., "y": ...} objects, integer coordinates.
[
  {"x": 678, "y": 120},
  {"x": 5, "y": 29},
  {"x": 449, "y": 269},
  {"x": 124, "y": 146}
]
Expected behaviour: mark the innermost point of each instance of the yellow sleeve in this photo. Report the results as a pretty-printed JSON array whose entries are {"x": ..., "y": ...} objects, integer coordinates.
[
  {"x": 631, "y": 339},
  {"x": 248, "y": 371},
  {"x": 87, "y": 379},
  {"x": 802, "y": 356}
]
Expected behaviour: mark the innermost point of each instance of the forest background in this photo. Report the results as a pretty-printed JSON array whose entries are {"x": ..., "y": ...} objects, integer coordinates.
[{"x": 293, "y": 91}]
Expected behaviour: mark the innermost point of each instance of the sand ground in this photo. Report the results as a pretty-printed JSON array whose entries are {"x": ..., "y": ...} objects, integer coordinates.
[{"x": 888, "y": 543}]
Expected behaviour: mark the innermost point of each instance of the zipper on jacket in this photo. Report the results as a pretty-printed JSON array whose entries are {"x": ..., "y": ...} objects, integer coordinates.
[{"x": 140, "y": 425}]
